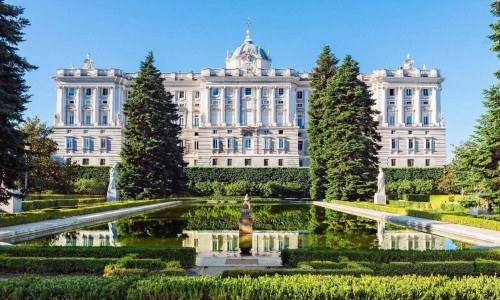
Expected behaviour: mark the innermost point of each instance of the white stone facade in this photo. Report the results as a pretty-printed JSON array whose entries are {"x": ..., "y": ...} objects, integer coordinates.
[{"x": 246, "y": 114}]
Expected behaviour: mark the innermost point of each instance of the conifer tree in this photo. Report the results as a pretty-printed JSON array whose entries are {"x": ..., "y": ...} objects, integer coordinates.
[
  {"x": 326, "y": 68},
  {"x": 152, "y": 162},
  {"x": 350, "y": 136},
  {"x": 13, "y": 97}
]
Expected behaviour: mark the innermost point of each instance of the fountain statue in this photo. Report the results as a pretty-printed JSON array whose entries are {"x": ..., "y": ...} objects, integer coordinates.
[
  {"x": 380, "y": 197},
  {"x": 245, "y": 226},
  {"x": 113, "y": 194}
]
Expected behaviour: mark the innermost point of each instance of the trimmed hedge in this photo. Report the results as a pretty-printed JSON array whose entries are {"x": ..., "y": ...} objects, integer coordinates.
[
  {"x": 282, "y": 288},
  {"x": 416, "y": 197},
  {"x": 291, "y": 257},
  {"x": 412, "y": 173},
  {"x": 256, "y": 175},
  {"x": 70, "y": 265},
  {"x": 449, "y": 268},
  {"x": 41, "y": 204},
  {"x": 99, "y": 173},
  {"x": 255, "y": 273},
  {"x": 34, "y": 197},
  {"x": 186, "y": 256}
]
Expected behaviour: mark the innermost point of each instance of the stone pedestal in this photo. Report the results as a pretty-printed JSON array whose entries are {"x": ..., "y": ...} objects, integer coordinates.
[
  {"x": 15, "y": 203},
  {"x": 380, "y": 198},
  {"x": 112, "y": 195}
]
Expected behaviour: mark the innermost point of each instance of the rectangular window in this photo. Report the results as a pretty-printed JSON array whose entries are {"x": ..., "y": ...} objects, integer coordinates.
[
  {"x": 428, "y": 144},
  {"x": 394, "y": 144},
  {"x": 408, "y": 120},
  {"x": 104, "y": 119},
  {"x": 392, "y": 92},
  {"x": 88, "y": 91},
  {"x": 104, "y": 143},
  {"x": 427, "y": 162},
  {"x": 86, "y": 143},
  {"x": 85, "y": 161},
  {"x": 71, "y": 92},
  {"x": 408, "y": 92},
  {"x": 281, "y": 143},
  {"x": 86, "y": 101},
  {"x": 102, "y": 161},
  {"x": 182, "y": 121},
  {"x": 87, "y": 119},
  {"x": 229, "y": 162},
  {"x": 248, "y": 143},
  {"x": 299, "y": 121},
  {"x": 129, "y": 94},
  {"x": 181, "y": 95},
  {"x": 215, "y": 92},
  {"x": 300, "y": 105},
  {"x": 215, "y": 143},
  {"x": 196, "y": 121},
  {"x": 301, "y": 163},
  {"x": 427, "y": 132},
  {"x": 425, "y": 92},
  {"x": 214, "y": 161},
  {"x": 426, "y": 120},
  {"x": 105, "y": 91},
  {"x": 266, "y": 162},
  {"x": 267, "y": 144},
  {"x": 71, "y": 119},
  {"x": 69, "y": 143},
  {"x": 196, "y": 145},
  {"x": 248, "y": 162},
  {"x": 281, "y": 91},
  {"x": 410, "y": 163},
  {"x": 300, "y": 94},
  {"x": 411, "y": 144},
  {"x": 280, "y": 162},
  {"x": 197, "y": 94},
  {"x": 393, "y": 162},
  {"x": 248, "y": 91},
  {"x": 300, "y": 145},
  {"x": 392, "y": 120}
]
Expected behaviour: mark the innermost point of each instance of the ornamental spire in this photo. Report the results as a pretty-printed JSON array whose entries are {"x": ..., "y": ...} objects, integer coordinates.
[{"x": 248, "y": 39}]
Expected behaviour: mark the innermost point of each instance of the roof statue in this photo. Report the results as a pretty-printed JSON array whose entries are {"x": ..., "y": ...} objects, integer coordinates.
[
  {"x": 88, "y": 63},
  {"x": 408, "y": 63}
]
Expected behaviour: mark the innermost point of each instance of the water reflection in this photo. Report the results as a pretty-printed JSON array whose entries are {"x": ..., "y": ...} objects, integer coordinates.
[
  {"x": 408, "y": 240},
  {"x": 88, "y": 238}
]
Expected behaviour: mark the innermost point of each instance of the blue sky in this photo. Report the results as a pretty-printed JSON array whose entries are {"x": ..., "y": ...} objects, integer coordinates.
[{"x": 190, "y": 35}]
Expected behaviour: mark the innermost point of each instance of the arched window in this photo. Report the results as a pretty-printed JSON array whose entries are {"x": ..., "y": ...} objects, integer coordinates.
[{"x": 247, "y": 134}]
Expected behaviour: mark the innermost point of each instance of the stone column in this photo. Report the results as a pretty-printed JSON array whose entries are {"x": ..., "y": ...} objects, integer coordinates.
[
  {"x": 258, "y": 106},
  {"x": 222, "y": 107},
  {"x": 400, "y": 107},
  {"x": 61, "y": 105},
  {"x": 95, "y": 106},
  {"x": 237, "y": 108},
  {"x": 418, "y": 108},
  {"x": 272, "y": 105},
  {"x": 78, "y": 105},
  {"x": 434, "y": 107},
  {"x": 111, "y": 101}
]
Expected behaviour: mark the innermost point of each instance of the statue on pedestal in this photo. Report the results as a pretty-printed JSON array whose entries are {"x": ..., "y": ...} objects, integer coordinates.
[
  {"x": 380, "y": 197},
  {"x": 113, "y": 194}
]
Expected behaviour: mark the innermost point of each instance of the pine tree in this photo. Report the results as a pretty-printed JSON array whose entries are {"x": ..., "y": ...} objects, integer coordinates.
[
  {"x": 13, "y": 97},
  {"x": 326, "y": 68},
  {"x": 351, "y": 139},
  {"x": 152, "y": 162}
]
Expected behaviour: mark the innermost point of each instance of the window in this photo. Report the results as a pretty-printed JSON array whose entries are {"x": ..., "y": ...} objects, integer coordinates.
[
  {"x": 85, "y": 161},
  {"x": 300, "y": 105},
  {"x": 392, "y": 92},
  {"x": 408, "y": 120},
  {"x": 411, "y": 144},
  {"x": 104, "y": 143},
  {"x": 428, "y": 144},
  {"x": 280, "y": 131},
  {"x": 280, "y": 162},
  {"x": 86, "y": 101},
  {"x": 394, "y": 144},
  {"x": 229, "y": 92},
  {"x": 71, "y": 92},
  {"x": 129, "y": 94},
  {"x": 410, "y": 132},
  {"x": 266, "y": 162},
  {"x": 393, "y": 162},
  {"x": 182, "y": 121},
  {"x": 266, "y": 131},
  {"x": 427, "y": 162},
  {"x": 301, "y": 163},
  {"x": 88, "y": 91},
  {"x": 408, "y": 92},
  {"x": 215, "y": 92},
  {"x": 425, "y": 102},
  {"x": 214, "y": 131},
  {"x": 87, "y": 118},
  {"x": 195, "y": 162},
  {"x": 102, "y": 161},
  {"x": 410, "y": 163},
  {"x": 86, "y": 143},
  {"x": 85, "y": 131},
  {"x": 248, "y": 143},
  {"x": 105, "y": 91},
  {"x": 181, "y": 95},
  {"x": 229, "y": 162},
  {"x": 427, "y": 132},
  {"x": 281, "y": 91},
  {"x": 248, "y": 91},
  {"x": 71, "y": 118},
  {"x": 408, "y": 102},
  {"x": 230, "y": 143},
  {"x": 426, "y": 120},
  {"x": 104, "y": 119},
  {"x": 393, "y": 131},
  {"x": 196, "y": 133},
  {"x": 392, "y": 120},
  {"x": 267, "y": 144},
  {"x": 301, "y": 145},
  {"x": 300, "y": 95},
  {"x": 281, "y": 143},
  {"x": 69, "y": 143},
  {"x": 214, "y": 161},
  {"x": 215, "y": 143},
  {"x": 248, "y": 162},
  {"x": 425, "y": 92},
  {"x": 197, "y": 94},
  {"x": 68, "y": 131},
  {"x": 300, "y": 121},
  {"x": 196, "y": 121}
]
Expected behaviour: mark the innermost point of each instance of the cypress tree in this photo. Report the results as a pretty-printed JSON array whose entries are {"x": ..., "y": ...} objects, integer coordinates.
[
  {"x": 13, "y": 97},
  {"x": 350, "y": 137},
  {"x": 152, "y": 163},
  {"x": 326, "y": 68}
]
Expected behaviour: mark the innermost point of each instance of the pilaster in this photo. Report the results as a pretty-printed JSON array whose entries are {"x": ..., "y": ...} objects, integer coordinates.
[
  {"x": 258, "y": 106},
  {"x": 222, "y": 107},
  {"x": 237, "y": 107},
  {"x": 400, "y": 108},
  {"x": 418, "y": 107},
  {"x": 95, "y": 105}
]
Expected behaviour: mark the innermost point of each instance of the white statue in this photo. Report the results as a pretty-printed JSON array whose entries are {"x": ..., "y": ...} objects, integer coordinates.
[
  {"x": 381, "y": 181},
  {"x": 112, "y": 194},
  {"x": 119, "y": 119},
  {"x": 441, "y": 122},
  {"x": 408, "y": 63}
]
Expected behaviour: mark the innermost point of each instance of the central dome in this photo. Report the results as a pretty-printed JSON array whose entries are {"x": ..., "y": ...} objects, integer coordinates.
[
  {"x": 249, "y": 47},
  {"x": 248, "y": 51}
]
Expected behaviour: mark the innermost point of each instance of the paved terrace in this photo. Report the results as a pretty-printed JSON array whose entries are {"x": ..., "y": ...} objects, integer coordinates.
[
  {"x": 474, "y": 235},
  {"x": 25, "y": 232}
]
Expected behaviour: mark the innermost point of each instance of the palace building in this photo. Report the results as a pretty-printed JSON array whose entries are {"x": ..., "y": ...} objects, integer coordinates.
[{"x": 246, "y": 114}]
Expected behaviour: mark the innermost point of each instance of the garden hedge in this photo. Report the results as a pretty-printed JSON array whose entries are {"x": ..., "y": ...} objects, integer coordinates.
[
  {"x": 255, "y": 273},
  {"x": 186, "y": 256},
  {"x": 276, "y": 287},
  {"x": 34, "y": 197},
  {"x": 256, "y": 175},
  {"x": 99, "y": 173},
  {"x": 41, "y": 204},
  {"x": 291, "y": 257},
  {"x": 416, "y": 197},
  {"x": 412, "y": 173}
]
